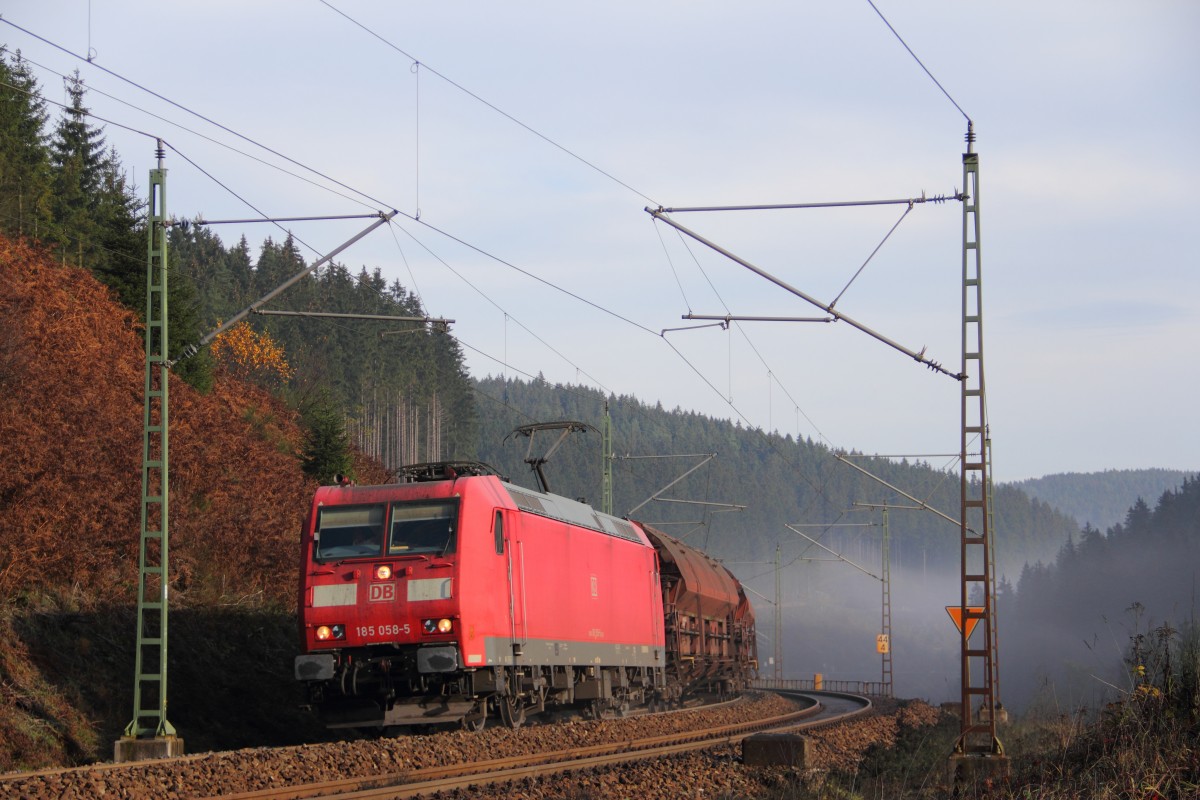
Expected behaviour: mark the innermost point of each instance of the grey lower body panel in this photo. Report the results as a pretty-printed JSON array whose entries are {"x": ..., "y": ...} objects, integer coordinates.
[
  {"x": 407, "y": 711},
  {"x": 554, "y": 652}
]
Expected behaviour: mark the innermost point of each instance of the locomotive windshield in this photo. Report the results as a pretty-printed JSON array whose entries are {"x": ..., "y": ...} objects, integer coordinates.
[
  {"x": 349, "y": 531},
  {"x": 425, "y": 527}
]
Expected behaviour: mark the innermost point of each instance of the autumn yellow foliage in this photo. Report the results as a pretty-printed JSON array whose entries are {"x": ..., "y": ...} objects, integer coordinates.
[{"x": 251, "y": 355}]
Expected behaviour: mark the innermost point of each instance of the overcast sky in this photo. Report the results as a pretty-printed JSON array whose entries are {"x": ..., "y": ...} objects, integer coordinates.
[{"x": 1086, "y": 114}]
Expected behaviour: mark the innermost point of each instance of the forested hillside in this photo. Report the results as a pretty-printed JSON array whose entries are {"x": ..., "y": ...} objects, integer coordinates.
[
  {"x": 1072, "y": 623},
  {"x": 1101, "y": 499},
  {"x": 71, "y": 382},
  {"x": 61, "y": 185},
  {"x": 402, "y": 386},
  {"x": 779, "y": 479}
]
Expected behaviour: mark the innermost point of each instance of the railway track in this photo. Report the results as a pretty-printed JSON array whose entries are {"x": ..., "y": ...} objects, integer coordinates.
[
  {"x": 605, "y": 755},
  {"x": 820, "y": 709}
]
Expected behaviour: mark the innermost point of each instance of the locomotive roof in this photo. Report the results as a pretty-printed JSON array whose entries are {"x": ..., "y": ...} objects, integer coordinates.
[
  {"x": 552, "y": 506},
  {"x": 574, "y": 512}
]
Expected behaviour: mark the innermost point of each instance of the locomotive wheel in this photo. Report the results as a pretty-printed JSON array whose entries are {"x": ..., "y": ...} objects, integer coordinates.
[
  {"x": 512, "y": 711},
  {"x": 476, "y": 719}
]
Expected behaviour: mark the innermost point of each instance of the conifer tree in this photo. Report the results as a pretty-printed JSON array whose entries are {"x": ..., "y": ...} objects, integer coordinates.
[
  {"x": 326, "y": 445},
  {"x": 119, "y": 247},
  {"x": 242, "y": 273},
  {"x": 24, "y": 159},
  {"x": 186, "y": 329},
  {"x": 78, "y": 156}
]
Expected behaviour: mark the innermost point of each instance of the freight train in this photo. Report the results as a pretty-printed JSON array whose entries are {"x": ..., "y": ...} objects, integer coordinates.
[{"x": 456, "y": 595}]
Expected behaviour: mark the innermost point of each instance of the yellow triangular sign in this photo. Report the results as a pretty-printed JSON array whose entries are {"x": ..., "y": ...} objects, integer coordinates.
[{"x": 956, "y": 615}]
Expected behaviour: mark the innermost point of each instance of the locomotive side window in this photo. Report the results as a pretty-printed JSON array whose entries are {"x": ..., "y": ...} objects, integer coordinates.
[
  {"x": 498, "y": 529},
  {"x": 349, "y": 532},
  {"x": 423, "y": 527}
]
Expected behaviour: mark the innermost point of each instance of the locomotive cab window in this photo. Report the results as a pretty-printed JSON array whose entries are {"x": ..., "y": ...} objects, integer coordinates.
[
  {"x": 349, "y": 532},
  {"x": 426, "y": 527}
]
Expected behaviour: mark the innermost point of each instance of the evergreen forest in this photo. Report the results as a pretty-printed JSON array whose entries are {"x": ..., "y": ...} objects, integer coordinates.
[
  {"x": 1101, "y": 499},
  {"x": 776, "y": 479},
  {"x": 1083, "y": 622},
  {"x": 401, "y": 386}
]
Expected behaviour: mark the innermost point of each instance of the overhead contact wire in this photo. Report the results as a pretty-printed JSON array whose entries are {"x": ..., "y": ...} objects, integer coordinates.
[
  {"x": 919, "y": 62},
  {"x": 762, "y": 360},
  {"x": 165, "y": 143},
  {"x": 197, "y": 114},
  {"x": 537, "y": 278},
  {"x": 687, "y": 304},
  {"x": 729, "y": 402},
  {"x": 86, "y": 113},
  {"x": 206, "y": 137},
  {"x": 250, "y": 205},
  {"x": 507, "y": 365},
  {"x": 497, "y": 306},
  {"x": 498, "y": 110}
]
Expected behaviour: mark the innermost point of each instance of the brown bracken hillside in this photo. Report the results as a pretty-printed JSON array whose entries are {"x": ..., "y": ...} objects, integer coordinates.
[{"x": 71, "y": 385}]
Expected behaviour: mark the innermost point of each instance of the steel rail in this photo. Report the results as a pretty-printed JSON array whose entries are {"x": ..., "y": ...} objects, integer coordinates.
[{"x": 434, "y": 779}]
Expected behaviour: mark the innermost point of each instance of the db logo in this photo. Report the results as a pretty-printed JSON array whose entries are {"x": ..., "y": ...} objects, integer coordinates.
[{"x": 381, "y": 592}]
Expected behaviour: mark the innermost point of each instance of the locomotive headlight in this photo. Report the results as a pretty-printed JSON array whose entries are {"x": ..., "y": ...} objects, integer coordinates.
[
  {"x": 443, "y": 625},
  {"x": 327, "y": 632},
  {"x": 383, "y": 572}
]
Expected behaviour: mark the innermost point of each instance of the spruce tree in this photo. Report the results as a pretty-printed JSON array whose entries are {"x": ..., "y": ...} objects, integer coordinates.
[
  {"x": 77, "y": 154},
  {"x": 118, "y": 249},
  {"x": 242, "y": 273},
  {"x": 326, "y": 446},
  {"x": 24, "y": 159}
]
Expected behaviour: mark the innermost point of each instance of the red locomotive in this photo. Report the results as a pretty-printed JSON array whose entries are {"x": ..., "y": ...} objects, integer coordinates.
[{"x": 456, "y": 595}]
